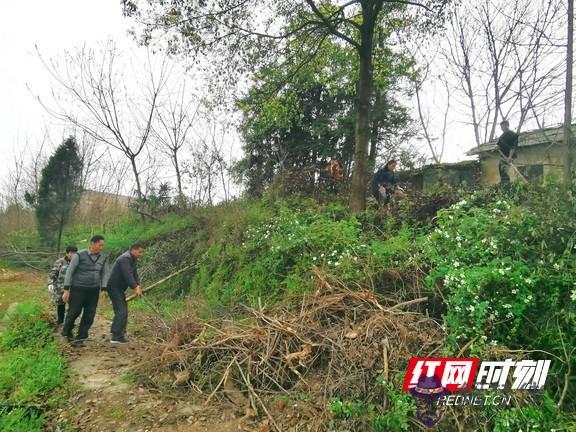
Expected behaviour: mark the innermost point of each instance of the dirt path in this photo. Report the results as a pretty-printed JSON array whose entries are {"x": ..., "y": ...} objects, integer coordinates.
[{"x": 107, "y": 399}]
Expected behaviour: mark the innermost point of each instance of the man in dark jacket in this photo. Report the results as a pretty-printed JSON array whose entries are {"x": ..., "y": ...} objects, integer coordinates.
[
  {"x": 384, "y": 183},
  {"x": 85, "y": 281},
  {"x": 124, "y": 274},
  {"x": 507, "y": 145}
]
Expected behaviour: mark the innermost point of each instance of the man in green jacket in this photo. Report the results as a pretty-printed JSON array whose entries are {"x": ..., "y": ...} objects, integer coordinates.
[{"x": 56, "y": 282}]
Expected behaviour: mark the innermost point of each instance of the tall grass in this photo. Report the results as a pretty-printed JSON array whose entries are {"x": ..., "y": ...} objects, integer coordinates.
[{"x": 31, "y": 370}]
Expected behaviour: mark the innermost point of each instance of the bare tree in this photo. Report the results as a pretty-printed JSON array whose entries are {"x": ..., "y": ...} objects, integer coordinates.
[
  {"x": 102, "y": 171},
  {"x": 503, "y": 56},
  {"x": 424, "y": 76},
  {"x": 217, "y": 140},
  {"x": 24, "y": 175},
  {"x": 154, "y": 173},
  {"x": 176, "y": 118},
  {"x": 107, "y": 173},
  {"x": 209, "y": 167},
  {"x": 91, "y": 156},
  {"x": 95, "y": 82},
  {"x": 12, "y": 192}
]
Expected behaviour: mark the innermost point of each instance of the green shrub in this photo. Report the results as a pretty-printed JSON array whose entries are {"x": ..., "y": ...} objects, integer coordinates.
[
  {"x": 532, "y": 418},
  {"x": 270, "y": 259},
  {"x": 371, "y": 417},
  {"x": 507, "y": 269}
]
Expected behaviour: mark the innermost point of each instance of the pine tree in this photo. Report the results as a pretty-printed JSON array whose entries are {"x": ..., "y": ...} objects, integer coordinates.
[{"x": 58, "y": 193}]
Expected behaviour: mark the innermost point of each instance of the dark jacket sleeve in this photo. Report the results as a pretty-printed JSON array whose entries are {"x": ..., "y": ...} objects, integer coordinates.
[
  {"x": 104, "y": 275},
  {"x": 388, "y": 178},
  {"x": 378, "y": 178},
  {"x": 514, "y": 141},
  {"x": 128, "y": 272}
]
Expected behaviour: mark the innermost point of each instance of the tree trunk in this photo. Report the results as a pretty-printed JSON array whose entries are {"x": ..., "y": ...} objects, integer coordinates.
[
  {"x": 467, "y": 72},
  {"x": 209, "y": 187},
  {"x": 362, "y": 138},
  {"x": 223, "y": 177},
  {"x": 373, "y": 148},
  {"x": 136, "y": 177},
  {"x": 177, "y": 168},
  {"x": 374, "y": 135},
  {"x": 497, "y": 100},
  {"x": 60, "y": 231},
  {"x": 64, "y": 209},
  {"x": 568, "y": 100},
  {"x": 424, "y": 125}
]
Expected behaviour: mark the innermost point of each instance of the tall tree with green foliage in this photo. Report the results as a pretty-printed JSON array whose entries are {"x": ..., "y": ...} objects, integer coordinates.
[
  {"x": 241, "y": 35},
  {"x": 58, "y": 193},
  {"x": 311, "y": 120}
]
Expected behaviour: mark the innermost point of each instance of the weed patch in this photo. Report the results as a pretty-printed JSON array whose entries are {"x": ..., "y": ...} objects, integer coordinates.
[{"x": 31, "y": 370}]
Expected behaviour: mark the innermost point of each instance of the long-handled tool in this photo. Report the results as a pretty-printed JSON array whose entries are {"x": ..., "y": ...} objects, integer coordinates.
[
  {"x": 156, "y": 311},
  {"x": 161, "y": 281},
  {"x": 509, "y": 161}
]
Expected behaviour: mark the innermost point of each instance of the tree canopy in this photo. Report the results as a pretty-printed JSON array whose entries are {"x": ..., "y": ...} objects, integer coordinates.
[
  {"x": 58, "y": 192},
  {"x": 301, "y": 123},
  {"x": 241, "y": 36}
]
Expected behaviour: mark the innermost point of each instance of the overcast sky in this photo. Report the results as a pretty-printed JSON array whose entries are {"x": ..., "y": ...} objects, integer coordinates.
[
  {"x": 54, "y": 26},
  {"x": 58, "y": 25}
]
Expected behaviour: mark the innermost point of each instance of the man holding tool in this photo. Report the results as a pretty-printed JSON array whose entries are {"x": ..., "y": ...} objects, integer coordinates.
[
  {"x": 507, "y": 145},
  {"x": 384, "y": 184},
  {"x": 124, "y": 274}
]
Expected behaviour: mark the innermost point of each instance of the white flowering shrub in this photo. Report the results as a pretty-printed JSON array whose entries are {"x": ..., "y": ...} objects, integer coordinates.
[
  {"x": 271, "y": 258},
  {"x": 497, "y": 269}
]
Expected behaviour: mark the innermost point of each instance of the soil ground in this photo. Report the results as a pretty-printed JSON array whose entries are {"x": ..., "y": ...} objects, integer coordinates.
[{"x": 107, "y": 398}]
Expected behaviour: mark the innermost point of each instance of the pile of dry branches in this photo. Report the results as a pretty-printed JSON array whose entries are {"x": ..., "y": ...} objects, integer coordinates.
[{"x": 335, "y": 343}]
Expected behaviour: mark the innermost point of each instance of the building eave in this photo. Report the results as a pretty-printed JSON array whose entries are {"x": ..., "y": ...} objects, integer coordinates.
[{"x": 547, "y": 136}]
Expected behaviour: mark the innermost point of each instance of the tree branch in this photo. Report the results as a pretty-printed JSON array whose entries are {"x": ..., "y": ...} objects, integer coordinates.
[{"x": 330, "y": 25}]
